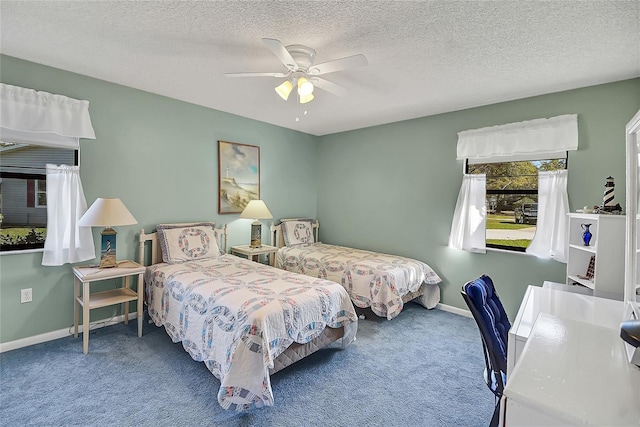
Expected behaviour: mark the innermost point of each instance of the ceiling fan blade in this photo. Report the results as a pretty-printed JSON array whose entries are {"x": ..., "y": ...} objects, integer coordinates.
[
  {"x": 282, "y": 53},
  {"x": 329, "y": 86},
  {"x": 256, "y": 74},
  {"x": 339, "y": 64}
]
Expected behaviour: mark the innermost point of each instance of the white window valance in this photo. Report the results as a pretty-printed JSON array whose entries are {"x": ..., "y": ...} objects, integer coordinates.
[
  {"x": 33, "y": 117},
  {"x": 530, "y": 140}
]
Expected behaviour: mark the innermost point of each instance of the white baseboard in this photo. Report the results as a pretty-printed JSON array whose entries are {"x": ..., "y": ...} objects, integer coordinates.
[
  {"x": 454, "y": 310},
  {"x": 61, "y": 333}
]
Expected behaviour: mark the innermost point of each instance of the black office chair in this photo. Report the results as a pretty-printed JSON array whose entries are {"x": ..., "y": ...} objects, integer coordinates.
[{"x": 486, "y": 308}]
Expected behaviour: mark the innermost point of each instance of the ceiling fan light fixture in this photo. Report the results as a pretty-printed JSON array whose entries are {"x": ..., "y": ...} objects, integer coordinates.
[
  {"x": 306, "y": 98},
  {"x": 305, "y": 87},
  {"x": 301, "y": 71},
  {"x": 284, "y": 89}
]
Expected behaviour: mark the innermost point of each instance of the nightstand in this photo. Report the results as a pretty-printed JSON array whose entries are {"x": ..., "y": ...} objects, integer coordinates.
[
  {"x": 86, "y": 275},
  {"x": 254, "y": 253}
]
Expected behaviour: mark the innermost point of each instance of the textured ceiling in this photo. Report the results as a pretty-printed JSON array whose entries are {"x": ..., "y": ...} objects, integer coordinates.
[{"x": 424, "y": 58}]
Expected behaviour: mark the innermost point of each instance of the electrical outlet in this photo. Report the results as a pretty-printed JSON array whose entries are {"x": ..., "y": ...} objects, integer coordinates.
[{"x": 26, "y": 295}]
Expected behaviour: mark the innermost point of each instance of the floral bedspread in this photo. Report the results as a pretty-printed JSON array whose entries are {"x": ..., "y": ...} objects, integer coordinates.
[
  {"x": 237, "y": 316},
  {"x": 372, "y": 279}
]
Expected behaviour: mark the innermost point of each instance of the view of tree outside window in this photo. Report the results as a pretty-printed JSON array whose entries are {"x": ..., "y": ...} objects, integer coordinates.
[
  {"x": 23, "y": 193},
  {"x": 512, "y": 200}
]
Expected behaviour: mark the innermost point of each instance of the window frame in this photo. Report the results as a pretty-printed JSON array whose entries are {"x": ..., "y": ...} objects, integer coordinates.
[
  {"x": 521, "y": 191},
  {"x": 37, "y": 192},
  {"x": 12, "y": 249}
]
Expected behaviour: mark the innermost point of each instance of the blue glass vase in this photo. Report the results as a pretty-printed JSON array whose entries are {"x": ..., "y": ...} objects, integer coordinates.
[{"x": 586, "y": 235}]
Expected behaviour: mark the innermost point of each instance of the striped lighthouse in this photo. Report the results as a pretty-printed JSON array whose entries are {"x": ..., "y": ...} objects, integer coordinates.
[{"x": 609, "y": 187}]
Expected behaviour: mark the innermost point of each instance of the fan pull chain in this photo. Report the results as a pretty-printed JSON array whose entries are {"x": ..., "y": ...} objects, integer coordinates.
[{"x": 299, "y": 105}]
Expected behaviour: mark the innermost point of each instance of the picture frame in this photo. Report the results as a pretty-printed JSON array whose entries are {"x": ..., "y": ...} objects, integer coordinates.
[{"x": 238, "y": 176}]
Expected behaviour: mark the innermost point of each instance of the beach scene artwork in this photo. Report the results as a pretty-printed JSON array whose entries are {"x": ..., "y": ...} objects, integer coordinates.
[{"x": 239, "y": 176}]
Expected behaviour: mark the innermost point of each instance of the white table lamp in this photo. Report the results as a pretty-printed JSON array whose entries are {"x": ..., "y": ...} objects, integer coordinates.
[
  {"x": 256, "y": 209},
  {"x": 107, "y": 213}
]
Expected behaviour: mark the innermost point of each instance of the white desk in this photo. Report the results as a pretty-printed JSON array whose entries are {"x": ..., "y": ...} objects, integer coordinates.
[
  {"x": 585, "y": 308},
  {"x": 572, "y": 373}
]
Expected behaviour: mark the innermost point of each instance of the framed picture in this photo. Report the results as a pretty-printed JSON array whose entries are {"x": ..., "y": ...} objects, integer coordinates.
[{"x": 238, "y": 176}]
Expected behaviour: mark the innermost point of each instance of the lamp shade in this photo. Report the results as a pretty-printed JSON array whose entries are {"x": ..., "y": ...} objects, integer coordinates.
[
  {"x": 306, "y": 98},
  {"x": 284, "y": 89},
  {"x": 256, "y": 209},
  {"x": 305, "y": 87},
  {"x": 107, "y": 213}
]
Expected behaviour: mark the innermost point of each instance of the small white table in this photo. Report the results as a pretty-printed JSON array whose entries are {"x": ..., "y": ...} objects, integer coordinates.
[
  {"x": 572, "y": 373},
  {"x": 254, "y": 253},
  {"x": 86, "y": 275}
]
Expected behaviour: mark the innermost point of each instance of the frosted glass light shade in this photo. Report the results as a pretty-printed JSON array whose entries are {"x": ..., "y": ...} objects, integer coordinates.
[
  {"x": 305, "y": 87},
  {"x": 306, "y": 98},
  {"x": 107, "y": 213},
  {"x": 256, "y": 209},
  {"x": 284, "y": 89}
]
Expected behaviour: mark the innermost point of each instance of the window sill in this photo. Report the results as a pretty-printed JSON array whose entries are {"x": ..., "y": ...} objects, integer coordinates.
[
  {"x": 505, "y": 251},
  {"x": 20, "y": 252}
]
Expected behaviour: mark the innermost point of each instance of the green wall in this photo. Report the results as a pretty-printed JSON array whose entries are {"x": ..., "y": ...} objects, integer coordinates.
[
  {"x": 394, "y": 187},
  {"x": 160, "y": 157},
  {"x": 390, "y": 188}
]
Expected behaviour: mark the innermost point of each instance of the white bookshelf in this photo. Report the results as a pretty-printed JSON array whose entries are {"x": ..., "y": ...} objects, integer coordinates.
[
  {"x": 637, "y": 258},
  {"x": 606, "y": 245}
]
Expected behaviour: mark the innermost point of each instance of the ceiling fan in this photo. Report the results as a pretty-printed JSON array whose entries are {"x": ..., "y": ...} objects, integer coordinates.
[{"x": 302, "y": 72}]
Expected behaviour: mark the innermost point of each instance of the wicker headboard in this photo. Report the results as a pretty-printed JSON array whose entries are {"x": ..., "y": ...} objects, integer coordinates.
[
  {"x": 277, "y": 239},
  {"x": 155, "y": 256}
]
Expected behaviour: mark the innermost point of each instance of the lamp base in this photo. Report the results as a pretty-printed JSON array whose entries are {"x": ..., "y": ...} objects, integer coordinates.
[
  {"x": 108, "y": 248},
  {"x": 256, "y": 234}
]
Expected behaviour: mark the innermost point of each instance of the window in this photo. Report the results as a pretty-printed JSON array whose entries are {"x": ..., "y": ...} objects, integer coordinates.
[
  {"x": 512, "y": 155},
  {"x": 41, "y": 193},
  {"x": 23, "y": 193},
  {"x": 512, "y": 200}
]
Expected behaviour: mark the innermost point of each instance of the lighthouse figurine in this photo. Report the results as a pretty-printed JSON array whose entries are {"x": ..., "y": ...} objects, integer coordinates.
[{"x": 607, "y": 200}]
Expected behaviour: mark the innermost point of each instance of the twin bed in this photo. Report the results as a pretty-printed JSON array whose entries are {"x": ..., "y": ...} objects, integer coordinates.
[
  {"x": 247, "y": 320},
  {"x": 243, "y": 319},
  {"x": 373, "y": 280}
]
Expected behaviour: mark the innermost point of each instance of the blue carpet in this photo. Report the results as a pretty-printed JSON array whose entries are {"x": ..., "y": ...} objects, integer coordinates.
[{"x": 423, "y": 368}]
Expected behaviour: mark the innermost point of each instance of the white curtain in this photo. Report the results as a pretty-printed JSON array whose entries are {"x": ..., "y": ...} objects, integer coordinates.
[
  {"x": 41, "y": 118},
  {"x": 66, "y": 242},
  {"x": 468, "y": 228},
  {"x": 530, "y": 140},
  {"x": 550, "y": 240}
]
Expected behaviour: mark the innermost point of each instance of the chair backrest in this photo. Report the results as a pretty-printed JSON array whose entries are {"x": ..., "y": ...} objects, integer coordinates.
[{"x": 486, "y": 308}]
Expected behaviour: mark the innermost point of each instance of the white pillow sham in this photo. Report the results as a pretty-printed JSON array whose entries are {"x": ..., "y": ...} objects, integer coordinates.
[
  {"x": 185, "y": 224},
  {"x": 217, "y": 232},
  {"x": 188, "y": 243},
  {"x": 296, "y": 232}
]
